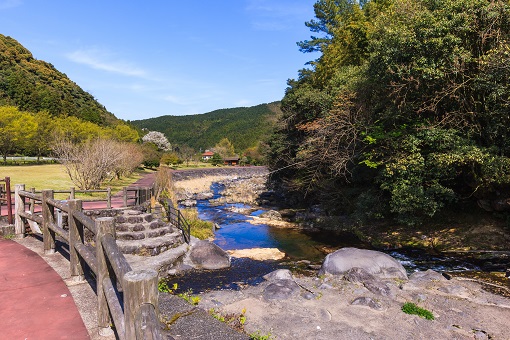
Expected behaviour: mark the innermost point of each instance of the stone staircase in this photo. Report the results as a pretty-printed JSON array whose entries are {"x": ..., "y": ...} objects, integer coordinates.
[{"x": 139, "y": 233}]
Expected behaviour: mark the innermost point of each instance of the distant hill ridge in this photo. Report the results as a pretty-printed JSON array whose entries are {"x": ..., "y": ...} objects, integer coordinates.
[
  {"x": 35, "y": 85},
  {"x": 243, "y": 126}
]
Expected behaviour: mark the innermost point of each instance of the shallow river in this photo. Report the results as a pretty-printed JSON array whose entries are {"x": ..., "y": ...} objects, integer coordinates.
[{"x": 237, "y": 233}]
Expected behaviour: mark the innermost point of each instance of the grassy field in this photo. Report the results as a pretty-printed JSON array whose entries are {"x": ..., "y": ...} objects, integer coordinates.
[{"x": 53, "y": 176}]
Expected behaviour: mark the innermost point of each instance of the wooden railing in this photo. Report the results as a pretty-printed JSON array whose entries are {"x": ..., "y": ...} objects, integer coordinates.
[
  {"x": 5, "y": 196},
  {"x": 176, "y": 218},
  {"x": 131, "y": 196},
  {"x": 135, "y": 316}
]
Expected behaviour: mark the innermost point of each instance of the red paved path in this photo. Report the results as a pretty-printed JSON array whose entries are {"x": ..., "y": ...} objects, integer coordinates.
[{"x": 35, "y": 303}]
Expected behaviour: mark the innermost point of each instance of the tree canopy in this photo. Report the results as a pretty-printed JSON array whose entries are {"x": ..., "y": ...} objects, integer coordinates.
[
  {"x": 245, "y": 127},
  {"x": 33, "y": 134},
  {"x": 35, "y": 85},
  {"x": 404, "y": 112}
]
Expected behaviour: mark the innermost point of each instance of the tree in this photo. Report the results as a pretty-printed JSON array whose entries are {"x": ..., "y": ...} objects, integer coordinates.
[
  {"x": 404, "y": 113},
  {"x": 76, "y": 130},
  {"x": 151, "y": 155},
  {"x": 16, "y": 128},
  {"x": 130, "y": 158},
  {"x": 124, "y": 133},
  {"x": 216, "y": 159},
  {"x": 43, "y": 136},
  {"x": 170, "y": 158},
  {"x": 95, "y": 161},
  {"x": 224, "y": 148},
  {"x": 186, "y": 154},
  {"x": 157, "y": 138}
]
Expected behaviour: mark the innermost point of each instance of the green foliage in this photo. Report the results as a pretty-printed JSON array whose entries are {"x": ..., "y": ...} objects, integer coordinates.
[
  {"x": 234, "y": 320},
  {"x": 244, "y": 126},
  {"x": 34, "y": 85},
  {"x": 216, "y": 159},
  {"x": 170, "y": 158},
  {"x": 163, "y": 287},
  {"x": 257, "y": 336},
  {"x": 44, "y": 104},
  {"x": 405, "y": 112},
  {"x": 187, "y": 295},
  {"x": 199, "y": 228},
  {"x": 411, "y": 308},
  {"x": 225, "y": 148}
]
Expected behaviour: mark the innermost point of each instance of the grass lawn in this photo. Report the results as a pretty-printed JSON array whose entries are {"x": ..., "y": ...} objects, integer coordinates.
[{"x": 53, "y": 176}]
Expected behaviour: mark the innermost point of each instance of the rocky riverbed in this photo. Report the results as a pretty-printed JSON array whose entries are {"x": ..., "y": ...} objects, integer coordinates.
[
  {"x": 332, "y": 307},
  {"x": 346, "y": 305}
]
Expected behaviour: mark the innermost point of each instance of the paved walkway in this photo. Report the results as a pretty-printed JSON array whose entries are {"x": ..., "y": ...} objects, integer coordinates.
[
  {"x": 117, "y": 198},
  {"x": 35, "y": 303}
]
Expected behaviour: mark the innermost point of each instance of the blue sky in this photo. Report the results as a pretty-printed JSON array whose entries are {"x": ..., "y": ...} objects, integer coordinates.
[{"x": 145, "y": 59}]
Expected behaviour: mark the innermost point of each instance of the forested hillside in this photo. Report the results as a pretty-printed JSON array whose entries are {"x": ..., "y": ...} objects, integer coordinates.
[
  {"x": 243, "y": 126},
  {"x": 405, "y": 112},
  {"x": 35, "y": 85}
]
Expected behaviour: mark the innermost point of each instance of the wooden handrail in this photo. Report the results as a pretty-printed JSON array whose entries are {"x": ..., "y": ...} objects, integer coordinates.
[
  {"x": 138, "y": 316},
  {"x": 7, "y": 198},
  {"x": 115, "y": 307},
  {"x": 87, "y": 255},
  {"x": 118, "y": 262}
]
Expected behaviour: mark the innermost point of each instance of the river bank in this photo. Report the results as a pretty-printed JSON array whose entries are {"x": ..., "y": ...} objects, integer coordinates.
[
  {"x": 332, "y": 307},
  {"x": 461, "y": 231},
  {"x": 479, "y": 241}
]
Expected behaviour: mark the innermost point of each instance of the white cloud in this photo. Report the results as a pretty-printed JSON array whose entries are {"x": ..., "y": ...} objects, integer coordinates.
[
  {"x": 96, "y": 59},
  {"x": 6, "y": 4}
]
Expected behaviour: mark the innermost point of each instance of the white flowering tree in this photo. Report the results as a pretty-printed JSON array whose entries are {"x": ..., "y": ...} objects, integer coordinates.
[{"x": 157, "y": 138}]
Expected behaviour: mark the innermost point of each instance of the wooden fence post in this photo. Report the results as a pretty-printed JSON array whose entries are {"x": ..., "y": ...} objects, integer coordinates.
[
  {"x": 124, "y": 196},
  {"x": 137, "y": 195},
  {"x": 19, "y": 207},
  {"x": 32, "y": 202},
  {"x": 9, "y": 199},
  {"x": 48, "y": 213},
  {"x": 108, "y": 198},
  {"x": 72, "y": 194},
  {"x": 147, "y": 194},
  {"x": 75, "y": 236},
  {"x": 104, "y": 225},
  {"x": 140, "y": 288}
]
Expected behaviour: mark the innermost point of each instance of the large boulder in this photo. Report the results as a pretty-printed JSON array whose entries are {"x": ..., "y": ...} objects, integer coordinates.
[
  {"x": 207, "y": 255},
  {"x": 373, "y": 262}
]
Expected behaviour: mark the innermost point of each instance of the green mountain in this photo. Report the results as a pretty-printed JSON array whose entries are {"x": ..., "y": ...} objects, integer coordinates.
[
  {"x": 35, "y": 85},
  {"x": 243, "y": 126}
]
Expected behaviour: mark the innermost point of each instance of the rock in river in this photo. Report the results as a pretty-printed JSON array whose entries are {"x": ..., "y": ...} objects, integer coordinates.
[
  {"x": 207, "y": 255},
  {"x": 374, "y": 262}
]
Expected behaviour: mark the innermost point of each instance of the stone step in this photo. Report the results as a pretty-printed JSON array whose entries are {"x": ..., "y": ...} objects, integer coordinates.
[
  {"x": 123, "y": 227},
  {"x": 145, "y": 233},
  {"x": 160, "y": 262},
  {"x": 151, "y": 246},
  {"x": 132, "y": 218}
]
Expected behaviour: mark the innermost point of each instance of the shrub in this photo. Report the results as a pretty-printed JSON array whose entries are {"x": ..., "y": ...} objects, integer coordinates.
[{"x": 411, "y": 308}]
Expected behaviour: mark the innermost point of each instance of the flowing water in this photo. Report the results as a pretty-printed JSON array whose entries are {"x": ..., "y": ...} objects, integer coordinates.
[{"x": 237, "y": 233}]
